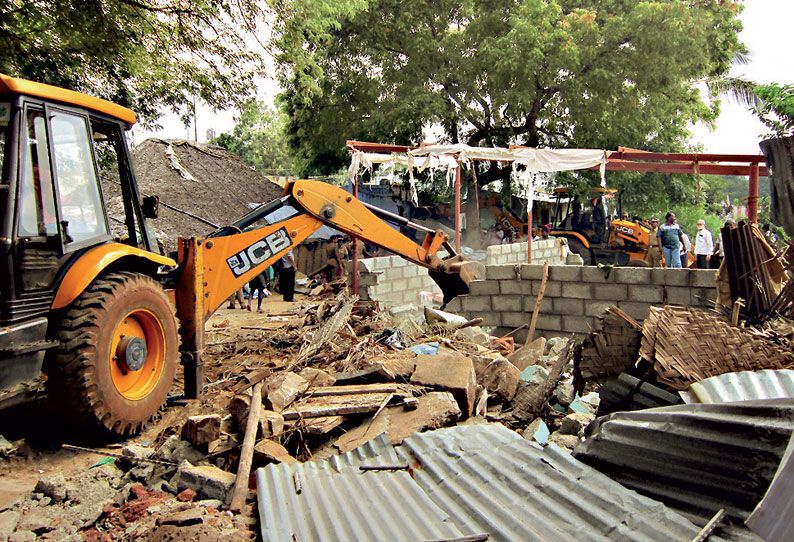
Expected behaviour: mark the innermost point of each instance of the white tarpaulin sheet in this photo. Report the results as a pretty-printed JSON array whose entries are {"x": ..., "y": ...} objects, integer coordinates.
[{"x": 447, "y": 157}]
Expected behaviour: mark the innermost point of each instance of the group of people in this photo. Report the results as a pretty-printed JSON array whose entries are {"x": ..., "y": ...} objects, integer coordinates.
[
  {"x": 260, "y": 285},
  {"x": 669, "y": 244}
]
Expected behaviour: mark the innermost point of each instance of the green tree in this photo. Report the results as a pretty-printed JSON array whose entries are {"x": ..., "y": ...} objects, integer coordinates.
[
  {"x": 259, "y": 138},
  {"x": 142, "y": 54},
  {"x": 548, "y": 73},
  {"x": 776, "y": 109}
]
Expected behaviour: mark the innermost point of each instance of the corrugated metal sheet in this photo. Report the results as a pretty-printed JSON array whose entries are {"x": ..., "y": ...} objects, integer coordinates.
[
  {"x": 772, "y": 518},
  {"x": 696, "y": 458},
  {"x": 491, "y": 480},
  {"x": 627, "y": 392},
  {"x": 742, "y": 386},
  {"x": 338, "y": 502}
]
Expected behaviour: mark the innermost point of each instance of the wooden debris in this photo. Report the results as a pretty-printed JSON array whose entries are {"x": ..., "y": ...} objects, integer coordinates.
[
  {"x": 199, "y": 430},
  {"x": 251, "y": 379},
  {"x": 272, "y": 451},
  {"x": 355, "y": 389},
  {"x": 336, "y": 405},
  {"x": 538, "y": 301},
  {"x": 529, "y": 401},
  {"x": 240, "y": 492},
  {"x": 607, "y": 353}
]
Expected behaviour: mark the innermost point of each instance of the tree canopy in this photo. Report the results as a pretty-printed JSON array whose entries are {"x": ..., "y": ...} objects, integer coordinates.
[
  {"x": 139, "y": 53},
  {"x": 545, "y": 73}
]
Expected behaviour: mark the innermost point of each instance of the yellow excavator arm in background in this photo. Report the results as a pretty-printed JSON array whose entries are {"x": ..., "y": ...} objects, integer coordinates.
[{"x": 212, "y": 269}]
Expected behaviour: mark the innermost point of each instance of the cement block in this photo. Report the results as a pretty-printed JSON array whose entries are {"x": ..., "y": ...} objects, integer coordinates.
[
  {"x": 702, "y": 278},
  {"x": 508, "y": 303},
  {"x": 531, "y": 271},
  {"x": 577, "y": 290},
  {"x": 456, "y": 305},
  {"x": 477, "y": 303},
  {"x": 593, "y": 274},
  {"x": 399, "y": 285},
  {"x": 515, "y": 287},
  {"x": 677, "y": 295},
  {"x": 549, "y": 322},
  {"x": 570, "y": 273},
  {"x": 416, "y": 283},
  {"x": 572, "y": 258},
  {"x": 484, "y": 287},
  {"x": 451, "y": 372},
  {"x": 578, "y": 324},
  {"x": 635, "y": 309},
  {"x": 596, "y": 308},
  {"x": 646, "y": 292},
  {"x": 546, "y": 304},
  {"x": 502, "y": 272},
  {"x": 611, "y": 292},
  {"x": 394, "y": 273},
  {"x": 513, "y": 320},
  {"x": 489, "y": 318},
  {"x": 670, "y": 277},
  {"x": 412, "y": 271},
  {"x": 553, "y": 288},
  {"x": 569, "y": 307},
  {"x": 632, "y": 275},
  {"x": 702, "y": 296}
]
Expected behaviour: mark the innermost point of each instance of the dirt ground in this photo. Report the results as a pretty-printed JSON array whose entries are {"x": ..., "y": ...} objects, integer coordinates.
[{"x": 33, "y": 426}]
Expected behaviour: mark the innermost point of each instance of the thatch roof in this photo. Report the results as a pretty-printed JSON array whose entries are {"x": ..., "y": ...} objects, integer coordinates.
[{"x": 213, "y": 184}]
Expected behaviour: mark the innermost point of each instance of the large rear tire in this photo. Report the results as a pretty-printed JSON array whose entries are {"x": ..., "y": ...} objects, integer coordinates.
[
  {"x": 575, "y": 245},
  {"x": 118, "y": 354}
]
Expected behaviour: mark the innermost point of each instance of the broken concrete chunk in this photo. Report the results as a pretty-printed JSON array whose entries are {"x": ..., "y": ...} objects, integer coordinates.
[
  {"x": 435, "y": 409},
  {"x": 208, "y": 481},
  {"x": 8, "y": 522},
  {"x": 529, "y": 354},
  {"x": 400, "y": 367},
  {"x": 574, "y": 424},
  {"x": 566, "y": 392},
  {"x": 451, "y": 372},
  {"x": 53, "y": 485},
  {"x": 238, "y": 408},
  {"x": 21, "y": 536},
  {"x": 271, "y": 424},
  {"x": 569, "y": 442},
  {"x": 535, "y": 374},
  {"x": 555, "y": 345},
  {"x": 537, "y": 431},
  {"x": 273, "y": 451},
  {"x": 319, "y": 426},
  {"x": 202, "y": 429},
  {"x": 497, "y": 375},
  {"x": 284, "y": 389},
  {"x": 317, "y": 377},
  {"x": 474, "y": 335},
  {"x": 449, "y": 318},
  {"x": 191, "y": 516},
  {"x": 135, "y": 452}
]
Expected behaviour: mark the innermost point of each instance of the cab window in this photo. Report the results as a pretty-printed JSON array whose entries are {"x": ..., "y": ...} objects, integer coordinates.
[
  {"x": 37, "y": 205},
  {"x": 81, "y": 209}
]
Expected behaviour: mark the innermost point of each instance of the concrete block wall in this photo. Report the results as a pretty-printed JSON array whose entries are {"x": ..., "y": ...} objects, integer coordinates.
[
  {"x": 395, "y": 282},
  {"x": 553, "y": 251},
  {"x": 575, "y": 296}
]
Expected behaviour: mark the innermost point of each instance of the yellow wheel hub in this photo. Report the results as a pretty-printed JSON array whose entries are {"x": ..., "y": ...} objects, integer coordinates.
[{"x": 137, "y": 354}]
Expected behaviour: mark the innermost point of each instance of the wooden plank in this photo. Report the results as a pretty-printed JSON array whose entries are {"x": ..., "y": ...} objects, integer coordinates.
[{"x": 240, "y": 492}]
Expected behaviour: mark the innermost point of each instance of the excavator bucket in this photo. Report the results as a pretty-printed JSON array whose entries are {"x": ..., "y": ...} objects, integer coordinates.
[{"x": 455, "y": 278}]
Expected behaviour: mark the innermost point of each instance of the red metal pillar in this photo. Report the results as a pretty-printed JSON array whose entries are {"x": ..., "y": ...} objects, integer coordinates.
[
  {"x": 355, "y": 243},
  {"x": 752, "y": 198},
  {"x": 457, "y": 207}
]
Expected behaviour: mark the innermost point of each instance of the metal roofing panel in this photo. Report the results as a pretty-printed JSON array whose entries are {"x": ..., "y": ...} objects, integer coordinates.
[
  {"x": 742, "y": 386},
  {"x": 491, "y": 480},
  {"x": 696, "y": 458},
  {"x": 772, "y": 517},
  {"x": 338, "y": 502}
]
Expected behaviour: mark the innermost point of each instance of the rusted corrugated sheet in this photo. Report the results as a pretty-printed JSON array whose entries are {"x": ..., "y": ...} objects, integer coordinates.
[
  {"x": 742, "y": 386},
  {"x": 772, "y": 518},
  {"x": 695, "y": 458},
  {"x": 338, "y": 502},
  {"x": 491, "y": 480}
]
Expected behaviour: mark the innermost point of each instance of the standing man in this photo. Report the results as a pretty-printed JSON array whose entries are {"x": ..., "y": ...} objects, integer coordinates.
[
  {"x": 672, "y": 239},
  {"x": 654, "y": 256},
  {"x": 287, "y": 276},
  {"x": 704, "y": 246}
]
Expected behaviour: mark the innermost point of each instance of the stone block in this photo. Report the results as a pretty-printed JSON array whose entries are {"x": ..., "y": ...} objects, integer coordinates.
[
  {"x": 593, "y": 274},
  {"x": 569, "y": 273},
  {"x": 632, "y": 275},
  {"x": 577, "y": 290},
  {"x": 677, "y": 295},
  {"x": 702, "y": 278},
  {"x": 578, "y": 324},
  {"x": 529, "y": 354},
  {"x": 531, "y": 271},
  {"x": 484, "y": 287},
  {"x": 551, "y": 322},
  {"x": 476, "y": 303},
  {"x": 513, "y": 320},
  {"x": 456, "y": 305},
  {"x": 411, "y": 271},
  {"x": 499, "y": 272},
  {"x": 596, "y": 308},
  {"x": 448, "y": 372},
  {"x": 515, "y": 287},
  {"x": 670, "y": 277},
  {"x": 489, "y": 318},
  {"x": 283, "y": 389},
  {"x": 199, "y": 430},
  {"x": 702, "y": 296},
  {"x": 317, "y": 377},
  {"x": 497, "y": 374},
  {"x": 399, "y": 285},
  {"x": 208, "y": 481},
  {"x": 569, "y": 307},
  {"x": 553, "y": 288},
  {"x": 368, "y": 279},
  {"x": 573, "y": 258},
  {"x": 394, "y": 273},
  {"x": 611, "y": 292},
  {"x": 53, "y": 486},
  {"x": 546, "y": 304},
  {"x": 646, "y": 293},
  {"x": 574, "y": 423},
  {"x": 635, "y": 309},
  {"x": 508, "y": 303}
]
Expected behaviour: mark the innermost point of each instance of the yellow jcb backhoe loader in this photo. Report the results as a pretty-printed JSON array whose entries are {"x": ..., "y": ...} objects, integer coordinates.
[{"x": 104, "y": 317}]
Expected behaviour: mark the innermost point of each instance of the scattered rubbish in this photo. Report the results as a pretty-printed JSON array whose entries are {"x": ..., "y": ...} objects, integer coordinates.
[
  {"x": 537, "y": 431},
  {"x": 425, "y": 348},
  {"x": 103, "y": 461},
  {"x": 392, "y": 337}
]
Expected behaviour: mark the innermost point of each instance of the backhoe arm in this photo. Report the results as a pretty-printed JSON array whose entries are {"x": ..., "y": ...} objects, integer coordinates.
[{"x": 212, "y": 269}]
